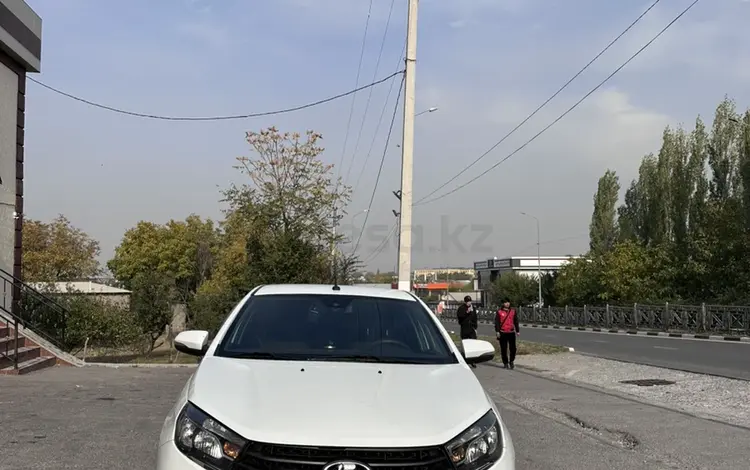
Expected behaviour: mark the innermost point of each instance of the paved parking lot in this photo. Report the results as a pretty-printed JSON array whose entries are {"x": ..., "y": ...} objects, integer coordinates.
[
  {"x": 85, "y": 418},
  {"x": 103, "y": 418}
]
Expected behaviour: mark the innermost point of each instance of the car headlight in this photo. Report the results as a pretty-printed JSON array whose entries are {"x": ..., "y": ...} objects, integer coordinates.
[
  {"x": 479, "y": 446},
  {"x": 205, "y": 440}
]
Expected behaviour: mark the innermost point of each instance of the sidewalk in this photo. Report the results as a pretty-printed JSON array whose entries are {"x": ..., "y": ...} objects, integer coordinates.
[{"x": 560, "y": 426}]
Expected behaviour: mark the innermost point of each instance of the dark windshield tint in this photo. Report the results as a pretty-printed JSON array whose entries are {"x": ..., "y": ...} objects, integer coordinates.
[{"x": 335, "y": 328}]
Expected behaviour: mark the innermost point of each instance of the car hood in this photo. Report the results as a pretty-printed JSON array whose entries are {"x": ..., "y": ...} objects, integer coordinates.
[{"x": 339, "y": 404}]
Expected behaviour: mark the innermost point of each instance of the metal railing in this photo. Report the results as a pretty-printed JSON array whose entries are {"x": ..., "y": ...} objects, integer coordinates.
[
  {"x": 23, "y": 306},
  {"x": 704, "y": 318}
]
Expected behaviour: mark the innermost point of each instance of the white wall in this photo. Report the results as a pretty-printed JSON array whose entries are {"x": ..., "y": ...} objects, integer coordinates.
[{"x": 8, "y": 117}]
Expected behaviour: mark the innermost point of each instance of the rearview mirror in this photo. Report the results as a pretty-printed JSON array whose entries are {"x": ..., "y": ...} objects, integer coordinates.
[
  {"x": 477, "y": 351},
  {"x": 192, "y": 342}
]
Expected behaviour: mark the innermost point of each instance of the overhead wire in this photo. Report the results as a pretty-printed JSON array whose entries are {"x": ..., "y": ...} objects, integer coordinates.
[
  {"x": 369, "y": 95},
  {"x": 211, "y": 118},
  {"x": 354, "y": 97},
  {"x": 560, "y": 117},
  {"x": 539, "y": 108},
  {"x": 382, "y": 160},
  {"x": 379, "y": 249},
  {"x": 380, "y": 121}
]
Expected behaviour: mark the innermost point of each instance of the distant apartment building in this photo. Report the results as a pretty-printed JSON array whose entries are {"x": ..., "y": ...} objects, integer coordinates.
[
  {"x": 488, "y": 271},
  {"x": 442, "y": 274}
]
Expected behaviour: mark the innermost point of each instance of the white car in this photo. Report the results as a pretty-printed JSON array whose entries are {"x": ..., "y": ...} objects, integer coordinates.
[{"x": 333, "y": 378}]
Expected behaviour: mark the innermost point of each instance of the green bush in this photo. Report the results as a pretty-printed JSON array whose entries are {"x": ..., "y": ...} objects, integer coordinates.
[
  {"x": 211, "y": 305},
  {"x": 102, "y": 324}
]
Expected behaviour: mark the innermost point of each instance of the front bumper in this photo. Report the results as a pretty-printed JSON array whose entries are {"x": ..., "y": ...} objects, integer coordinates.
[{"x": 170, "y": 458}]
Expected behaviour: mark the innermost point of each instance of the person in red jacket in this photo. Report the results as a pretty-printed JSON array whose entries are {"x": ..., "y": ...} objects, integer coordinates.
[{"x": 506, "y": 327}]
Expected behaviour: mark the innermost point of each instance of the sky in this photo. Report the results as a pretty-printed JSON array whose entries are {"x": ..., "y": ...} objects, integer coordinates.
[{"x": 486, "y": 64}]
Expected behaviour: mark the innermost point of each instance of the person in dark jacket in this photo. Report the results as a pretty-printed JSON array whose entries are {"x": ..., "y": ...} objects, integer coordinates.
[
  {"x": 506, "y": 328},
  {"x": 467, "y": 320}
]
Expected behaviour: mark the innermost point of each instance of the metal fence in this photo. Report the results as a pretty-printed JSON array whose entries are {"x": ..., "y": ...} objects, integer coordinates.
[{"x": 725, "y": 319}]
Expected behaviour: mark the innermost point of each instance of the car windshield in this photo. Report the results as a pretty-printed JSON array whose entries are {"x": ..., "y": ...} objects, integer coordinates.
[{"x": 335, "y": 328}]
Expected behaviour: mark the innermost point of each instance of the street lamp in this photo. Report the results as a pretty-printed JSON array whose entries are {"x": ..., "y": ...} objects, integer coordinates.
[
  {"x": 538, "y": 257},
  {"x": 428, "y": 110},
  {"x": 363, "y": 211}
]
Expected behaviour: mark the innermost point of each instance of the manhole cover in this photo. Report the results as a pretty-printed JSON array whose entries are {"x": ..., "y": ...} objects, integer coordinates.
[{"x": 647, "y": 382}]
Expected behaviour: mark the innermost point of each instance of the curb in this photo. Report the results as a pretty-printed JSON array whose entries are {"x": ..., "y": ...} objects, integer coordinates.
[
  {"x": 112, "y": 365},
  {"x": 744, "y": 339},
  {"x": 737, "y": 339}
]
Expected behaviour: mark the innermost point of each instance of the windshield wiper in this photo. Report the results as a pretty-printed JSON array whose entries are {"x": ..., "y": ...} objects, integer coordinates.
[
  {"x": 255, "y": 355},
  {"x": 365, "y": 358},
  {"x": 349, "y": 357}
]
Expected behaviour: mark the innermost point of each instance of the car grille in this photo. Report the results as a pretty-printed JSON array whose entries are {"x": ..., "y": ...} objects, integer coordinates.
[{"x": 259, "y": 456}]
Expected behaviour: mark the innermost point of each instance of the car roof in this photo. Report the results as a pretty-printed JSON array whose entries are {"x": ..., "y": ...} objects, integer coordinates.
[{"x": 327, "y": 289}]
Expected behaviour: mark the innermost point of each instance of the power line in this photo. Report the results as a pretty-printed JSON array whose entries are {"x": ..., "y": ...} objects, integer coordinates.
[
  {"x": 585, "y": 67},
  {"x": 379, "y": 249},
  {"x": 559, "y": 118},
  {"x": 212, "y": 118},
  {"x": 382, "y": 159},
  {"x": 380, "y": 121},
  {"x": 354, "y": 97},
  {"x": 369, "y": 95}
]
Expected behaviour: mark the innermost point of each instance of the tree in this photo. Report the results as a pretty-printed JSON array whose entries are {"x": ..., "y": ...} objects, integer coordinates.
[
  {"x": 58, "y": 251},
  {"x": 579, "y": 282},
  {"x": 151, "y": 303},
  {"x": 278, "y": 226},
  {"x": 520, "y": 289},
  {"x": 603, "y": 229},
  {"x": 684, "y": 223},
  {"x": 182, "y": 251},
  {"x": 289, "y": 185}
]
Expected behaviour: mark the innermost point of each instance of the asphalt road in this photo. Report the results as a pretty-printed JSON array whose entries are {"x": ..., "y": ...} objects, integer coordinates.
[
  {"x": 729, "y": 359},
  {"x": 95, "y": 418}
]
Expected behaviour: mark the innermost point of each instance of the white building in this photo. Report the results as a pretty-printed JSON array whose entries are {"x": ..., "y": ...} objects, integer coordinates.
[
  {"x": 20, "y": 53},
  {"x": 488, "y": 271}
]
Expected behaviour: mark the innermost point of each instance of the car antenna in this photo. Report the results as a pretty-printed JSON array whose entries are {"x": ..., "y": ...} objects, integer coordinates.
[
  {"x": 333, "y": 254},
  {"x": 335, "y": 274}
]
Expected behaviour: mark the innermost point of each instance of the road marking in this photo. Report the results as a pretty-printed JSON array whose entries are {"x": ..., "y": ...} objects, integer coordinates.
[
  {"x": 599, "y": 341},
  {"x": 665, "y": 347}
]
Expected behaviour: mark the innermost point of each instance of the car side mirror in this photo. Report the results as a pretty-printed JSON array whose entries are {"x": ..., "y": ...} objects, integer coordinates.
[
  {"x": 477, "y": 351},
  {"x": 192, "y": 342}
]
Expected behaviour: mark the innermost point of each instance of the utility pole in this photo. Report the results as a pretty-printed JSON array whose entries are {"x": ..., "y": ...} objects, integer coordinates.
[
  {"x": 333, "y": 245},
  {"x": 539, "y": 262},
  {"x": 407, "y": 151},
  {"x": 398, "y": 254}
]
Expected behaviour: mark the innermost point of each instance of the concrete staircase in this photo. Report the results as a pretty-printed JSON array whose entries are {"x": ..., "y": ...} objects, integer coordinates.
[{"x": 31, "y": 356}]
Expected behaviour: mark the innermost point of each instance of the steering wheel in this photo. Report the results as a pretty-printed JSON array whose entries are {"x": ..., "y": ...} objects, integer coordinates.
[{"x": 393, "y": 342}]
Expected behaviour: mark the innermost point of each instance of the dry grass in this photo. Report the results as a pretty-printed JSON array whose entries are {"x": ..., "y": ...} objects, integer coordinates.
[
  {"x": 523, "y": 347},
  {"x": 163, "y": 353}
]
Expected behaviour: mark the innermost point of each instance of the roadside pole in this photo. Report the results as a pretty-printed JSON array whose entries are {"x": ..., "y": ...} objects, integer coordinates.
[{"x": 407, "y": 152}]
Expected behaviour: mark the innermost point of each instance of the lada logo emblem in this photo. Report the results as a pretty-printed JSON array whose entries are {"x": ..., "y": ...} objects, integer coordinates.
[{"x": 346, "y": 465}]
